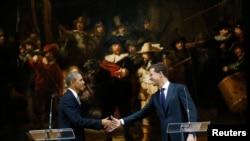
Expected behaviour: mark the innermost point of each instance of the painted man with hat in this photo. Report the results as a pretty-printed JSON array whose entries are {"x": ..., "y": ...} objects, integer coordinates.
[
  {"x": 79, "y": 32},
  {"x": 223, "y": 41},
  {"x": 85, "y": 42},
  {"x": 98, "y": 32},
  {"x": 84, "y": 45},
  {"x": 149, "y": 53},
  {"x": 181, "y": 57},
  {"x": 48, "y": 81},
  {"x": 99, "y": 35},
  {"x": 114, "y": 88},
  {"x": 239, "y": 30},
  {"x": 239, "y": 33},
  {"x": 220, "y": 46},
  {"x": 217, "y": 55}
]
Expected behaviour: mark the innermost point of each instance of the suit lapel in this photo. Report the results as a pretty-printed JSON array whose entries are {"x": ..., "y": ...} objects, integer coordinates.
[{"x": 73, "y": 97}]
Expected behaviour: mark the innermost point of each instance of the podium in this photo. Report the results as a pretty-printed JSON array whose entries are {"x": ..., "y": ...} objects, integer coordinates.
[
  {"x": 187, "y": 127},
  {"x": 51, "y": 134}
]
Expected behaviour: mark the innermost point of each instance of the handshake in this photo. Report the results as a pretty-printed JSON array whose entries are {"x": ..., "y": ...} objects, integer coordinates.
[{"x": 110, "y": 124}]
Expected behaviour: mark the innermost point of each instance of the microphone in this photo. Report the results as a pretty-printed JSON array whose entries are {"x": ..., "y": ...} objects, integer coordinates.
[{"x": 50, "y": 114}]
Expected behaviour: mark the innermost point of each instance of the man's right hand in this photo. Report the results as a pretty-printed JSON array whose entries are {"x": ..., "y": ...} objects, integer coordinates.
[{"x": 115, "y": 123}]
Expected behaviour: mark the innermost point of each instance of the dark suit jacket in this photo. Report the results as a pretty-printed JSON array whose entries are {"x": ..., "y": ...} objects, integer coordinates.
[
  {"x": 69, "y": 116},
  {"x": 178, "y": 98}
]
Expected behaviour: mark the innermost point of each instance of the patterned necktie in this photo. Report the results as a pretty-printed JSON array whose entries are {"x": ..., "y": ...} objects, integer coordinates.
[{"x": 163, "y": 99}]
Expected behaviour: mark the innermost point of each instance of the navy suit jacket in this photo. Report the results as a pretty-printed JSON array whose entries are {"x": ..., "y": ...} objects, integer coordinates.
[
  {"x": 70, "y": 116},
  {"x": 178, "y": 102}
]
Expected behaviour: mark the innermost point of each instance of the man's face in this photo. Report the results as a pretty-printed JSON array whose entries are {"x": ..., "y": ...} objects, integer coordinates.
[
  {"x": 237, "y": 31},
  {"x": 154, "y": 76},
  {"x": 80, "y": 26},
  {"x": 122, "y": 30},
  {"x": 132, "y": 49},
  {"x": 224, "y": 32},
  {"x": 49, "y": 55},
  {"x": 146, "y": 56},
  {"x": 100, "y": 29},
  {"x": 116, "y": 48},
  {"x": 79, "y": 83},
  {"x": 238, "y": 51},
  {"x": 146, "y": 25},
  {"x": 179, "y": 45},
  {"x": 29, "y": 47}
]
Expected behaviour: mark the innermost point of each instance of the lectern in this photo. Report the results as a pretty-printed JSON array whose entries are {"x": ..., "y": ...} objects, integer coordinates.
[
  {"x": 51, "y": 134},
  {"x": 187, "y": 127}
]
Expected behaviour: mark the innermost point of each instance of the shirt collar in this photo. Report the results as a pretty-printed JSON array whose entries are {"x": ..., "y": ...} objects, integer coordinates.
[
  {"x": 75, "y": 94},
  {"x": 166, "y": 85}
]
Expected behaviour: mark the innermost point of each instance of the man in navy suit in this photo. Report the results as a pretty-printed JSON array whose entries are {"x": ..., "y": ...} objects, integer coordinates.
[
  {"x": 69, "y": 114},
  {"x": 178, "y": 106}
]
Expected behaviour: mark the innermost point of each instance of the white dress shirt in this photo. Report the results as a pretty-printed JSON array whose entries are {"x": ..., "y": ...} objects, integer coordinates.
[{"x": 76, "y": 95}]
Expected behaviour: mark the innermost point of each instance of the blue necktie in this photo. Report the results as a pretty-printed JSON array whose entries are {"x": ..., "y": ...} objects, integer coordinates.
[{"x": 163, "y": 99}]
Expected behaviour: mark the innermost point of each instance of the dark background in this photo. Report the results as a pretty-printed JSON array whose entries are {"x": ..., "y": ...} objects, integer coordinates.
[{"x": 187, "y": 17}]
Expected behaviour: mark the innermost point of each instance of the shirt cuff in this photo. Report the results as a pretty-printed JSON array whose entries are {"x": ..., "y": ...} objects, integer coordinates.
[{"x": 122, "y": 121}]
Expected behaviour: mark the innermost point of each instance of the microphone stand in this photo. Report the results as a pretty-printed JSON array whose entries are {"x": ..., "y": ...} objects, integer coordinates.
[
  {"x": 50, "y": 114},
  {"x": 50, "y": 118}
]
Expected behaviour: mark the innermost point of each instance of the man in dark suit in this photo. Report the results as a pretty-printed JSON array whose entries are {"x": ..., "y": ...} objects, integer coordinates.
[
  {"x": 69, "y": 114},
  {"x": 177, "y": 105}
]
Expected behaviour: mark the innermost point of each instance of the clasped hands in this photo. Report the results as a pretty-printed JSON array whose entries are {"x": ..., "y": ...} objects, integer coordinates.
[{"x": 110, "y": 124}]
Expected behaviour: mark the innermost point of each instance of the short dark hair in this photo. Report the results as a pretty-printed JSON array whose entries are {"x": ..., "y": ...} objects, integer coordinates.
[{"x": 160, "y": 67}]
